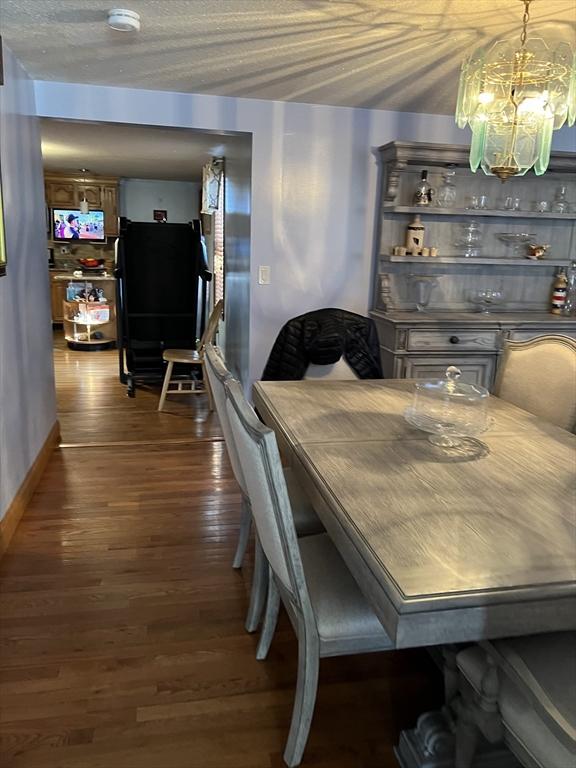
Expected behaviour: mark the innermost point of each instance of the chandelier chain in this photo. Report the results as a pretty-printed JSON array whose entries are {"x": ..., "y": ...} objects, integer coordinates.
[{"x": 525, "y": 20}]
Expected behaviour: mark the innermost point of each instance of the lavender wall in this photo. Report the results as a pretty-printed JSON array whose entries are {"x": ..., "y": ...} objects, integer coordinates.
[
  {"x": 27, "y": 399},
  {"x": 313, "y": 186}
]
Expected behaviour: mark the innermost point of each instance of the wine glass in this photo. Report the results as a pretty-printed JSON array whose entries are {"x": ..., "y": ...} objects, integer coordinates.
[{"x": 420, "y": 289}]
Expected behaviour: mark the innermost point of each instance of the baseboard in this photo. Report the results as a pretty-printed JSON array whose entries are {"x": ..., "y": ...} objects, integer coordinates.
[{"x": 14, "y": 513}]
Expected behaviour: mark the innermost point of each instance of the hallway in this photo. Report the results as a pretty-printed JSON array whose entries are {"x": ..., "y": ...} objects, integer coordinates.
[{"x": 121, "y": 638}]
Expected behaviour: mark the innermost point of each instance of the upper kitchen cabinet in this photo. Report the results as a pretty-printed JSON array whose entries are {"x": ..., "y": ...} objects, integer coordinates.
[
  {"x": 64, "y": 190},
  {"x": 60, "y": 194},
  {"x": 110, "y": 208},
  {"x": 92, "y": 193}
]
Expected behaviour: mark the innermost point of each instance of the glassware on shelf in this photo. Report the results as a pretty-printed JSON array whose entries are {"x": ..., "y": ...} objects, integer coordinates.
[
  {"x": 560, "y": 204},
  {"x": 542, "y": 206},
  {"x": 423, "y": 193},
  {"x": 446, "y": 197},
  {"x": 478, "y": 203},
  {"x": 511, "y": 204},
  {"x": 469, "y": 236},
  {"x": 448, "y": 409},
  {"x": 420, "y": 289},
  {"x": 569, "y": 307},
  {"x": 486, "y": 299},
  {"x": 517, "y": 240}
]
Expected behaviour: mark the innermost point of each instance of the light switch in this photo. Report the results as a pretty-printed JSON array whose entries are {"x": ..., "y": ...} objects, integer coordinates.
[{"x": 264, "y": 275}]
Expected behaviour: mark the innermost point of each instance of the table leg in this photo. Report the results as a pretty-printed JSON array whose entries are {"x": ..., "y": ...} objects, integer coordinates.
[{"x": 432, "y": 743}]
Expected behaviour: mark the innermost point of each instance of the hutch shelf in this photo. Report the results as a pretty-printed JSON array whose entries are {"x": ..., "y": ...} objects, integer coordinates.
[{"x": 451, "y": 330}]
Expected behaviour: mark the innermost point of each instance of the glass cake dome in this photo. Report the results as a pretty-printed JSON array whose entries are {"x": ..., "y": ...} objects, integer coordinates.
[{"x": 449, "y": 409}]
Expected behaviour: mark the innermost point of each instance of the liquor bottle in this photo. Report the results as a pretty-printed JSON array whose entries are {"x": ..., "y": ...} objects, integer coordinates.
[
  {"x": 446, "y": 197},
  {"x": 415, "y": 235},
  {"x": 559, "y": 291},
  {"x": 423, "y": 192}
]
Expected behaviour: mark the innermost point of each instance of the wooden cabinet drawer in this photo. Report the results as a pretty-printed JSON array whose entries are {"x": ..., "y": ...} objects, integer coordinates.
[
  {"x": 475, "y": 370},
  {"x": 452, "y": 339}
]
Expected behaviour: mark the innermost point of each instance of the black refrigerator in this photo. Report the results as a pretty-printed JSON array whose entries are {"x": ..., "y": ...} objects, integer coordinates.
[{"x": 161, "y": 283}]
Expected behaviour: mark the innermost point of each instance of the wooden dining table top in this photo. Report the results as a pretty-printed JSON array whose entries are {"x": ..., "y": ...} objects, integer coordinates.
[{"x": 446, "y": 548}]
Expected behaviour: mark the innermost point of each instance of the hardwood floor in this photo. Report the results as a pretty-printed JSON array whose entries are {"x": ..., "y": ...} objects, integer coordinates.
[{"x": 121, "y": 637}]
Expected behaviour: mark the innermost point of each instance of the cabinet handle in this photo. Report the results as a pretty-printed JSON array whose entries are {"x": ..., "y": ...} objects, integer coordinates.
[{"x": 454, "y": 340}]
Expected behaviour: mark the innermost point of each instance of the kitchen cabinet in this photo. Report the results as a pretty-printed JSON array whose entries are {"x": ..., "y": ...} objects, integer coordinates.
[
  {"x": 61, "y": 194},
  {"x": 66, "y": 191},
  {"x": 57, "y": 296},
  {"x": 110, "y": 208},
  {"x": 93, "y": 194}
]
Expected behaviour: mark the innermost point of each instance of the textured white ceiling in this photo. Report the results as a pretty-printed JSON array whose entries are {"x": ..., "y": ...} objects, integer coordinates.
[
  {"x": 388, "y": 54},
  {"x": 130, "y": 151}
]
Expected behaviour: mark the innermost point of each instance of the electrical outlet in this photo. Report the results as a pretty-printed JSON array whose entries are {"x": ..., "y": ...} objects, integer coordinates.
[{"x": 264, "y": 275}]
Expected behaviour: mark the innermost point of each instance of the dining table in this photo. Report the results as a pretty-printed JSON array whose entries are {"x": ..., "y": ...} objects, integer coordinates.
[{"x": 447, "y": 547}]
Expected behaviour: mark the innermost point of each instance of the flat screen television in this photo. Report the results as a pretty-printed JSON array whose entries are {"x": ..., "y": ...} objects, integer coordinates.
[{"x": 71, "y": 224}]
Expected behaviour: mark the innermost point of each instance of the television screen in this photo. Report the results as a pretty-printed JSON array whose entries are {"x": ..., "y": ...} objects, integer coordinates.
[{"x": 71, "y": 224}]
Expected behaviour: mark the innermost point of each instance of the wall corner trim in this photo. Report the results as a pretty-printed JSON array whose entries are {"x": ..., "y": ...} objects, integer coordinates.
[{"x": 17, "y": 507}]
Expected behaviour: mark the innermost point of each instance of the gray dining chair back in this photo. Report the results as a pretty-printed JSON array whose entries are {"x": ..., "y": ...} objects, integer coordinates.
[
  {"x": 268, "y": 494},
  {"x": 328, "y": 612},
  {"x": 539, "y": 375},
  {"x": 218, "y": 374}
]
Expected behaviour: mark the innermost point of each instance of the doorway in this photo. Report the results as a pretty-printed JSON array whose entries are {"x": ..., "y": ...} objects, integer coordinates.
[{"x": 143, "y": 173}]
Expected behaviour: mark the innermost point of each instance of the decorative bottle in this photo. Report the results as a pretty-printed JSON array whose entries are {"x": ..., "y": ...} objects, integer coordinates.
[
  {"x": 560, "y": 204},
  {"x": 559, "y": 291},
  {"x": 423, "y": 192},
  {"x": 446, "y": 197},
  {"x": 415, "y": 235}
]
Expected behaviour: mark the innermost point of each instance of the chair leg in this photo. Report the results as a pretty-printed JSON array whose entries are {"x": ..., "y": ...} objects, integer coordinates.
[
  {"x": 244, "y": 535},
  {"x": 306, "y": 688},
  {"x": 259, "y": 588},
  {"x": 165, "y": 385},
  {"x": 208, "y": 391},
  {"x": 270, "y": 618}
]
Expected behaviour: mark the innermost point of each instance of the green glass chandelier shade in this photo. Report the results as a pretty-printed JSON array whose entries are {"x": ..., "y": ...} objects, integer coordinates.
[{"x": 513, "y": 98}]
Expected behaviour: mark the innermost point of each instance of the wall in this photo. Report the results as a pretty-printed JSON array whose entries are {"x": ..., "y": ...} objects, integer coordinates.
[
  {"x": 314, "y": 180},
  {"x": 138, "y": 198},
  {"x": 27, "y": 399},
  {"x": 236, "y": 336}
]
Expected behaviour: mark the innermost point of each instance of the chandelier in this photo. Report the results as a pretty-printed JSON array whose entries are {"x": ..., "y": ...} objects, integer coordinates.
[{"x": 513, "y": 97}]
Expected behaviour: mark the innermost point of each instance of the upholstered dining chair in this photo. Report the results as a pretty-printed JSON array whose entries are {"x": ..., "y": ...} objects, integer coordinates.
[
  {"x": 539, "y": 376},
  {"x": 522, "y": 691},
  {"x": 305, "y": 519},
  {"x": 194, "y": 357},
  {"x": 328, "y": 612}
]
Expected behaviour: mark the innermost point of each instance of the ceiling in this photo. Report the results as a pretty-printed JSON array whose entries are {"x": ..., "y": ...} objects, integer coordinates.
[
  {"x": 130, "y": 151},
  {"x": 385, "y": 54}
]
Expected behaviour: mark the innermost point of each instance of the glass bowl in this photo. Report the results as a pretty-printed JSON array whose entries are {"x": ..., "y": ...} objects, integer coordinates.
[
  {"x": 486, "y": 299},
  {"x": 516, "y": 239}
]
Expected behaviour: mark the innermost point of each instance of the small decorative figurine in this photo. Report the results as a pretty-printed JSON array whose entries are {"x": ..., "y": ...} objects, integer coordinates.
[
  {"x": 559, "y": 291},
  {"x": 536, "y": 252}
]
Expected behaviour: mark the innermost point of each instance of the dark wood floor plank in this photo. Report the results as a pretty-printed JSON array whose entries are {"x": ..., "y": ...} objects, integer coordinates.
[{"x": 122, "y": 641}]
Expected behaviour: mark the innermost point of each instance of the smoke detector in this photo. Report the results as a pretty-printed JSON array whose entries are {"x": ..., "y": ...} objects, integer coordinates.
[{"x": 124, "y": 20}]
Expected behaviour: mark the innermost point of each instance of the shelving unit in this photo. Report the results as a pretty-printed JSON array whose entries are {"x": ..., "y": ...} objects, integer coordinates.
[
  {"x": 472, "y": 260},
  {"x": 423, "y": 344},
  {"x": 474, "y": 213},
  {"x": 90, "y": 325}
]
